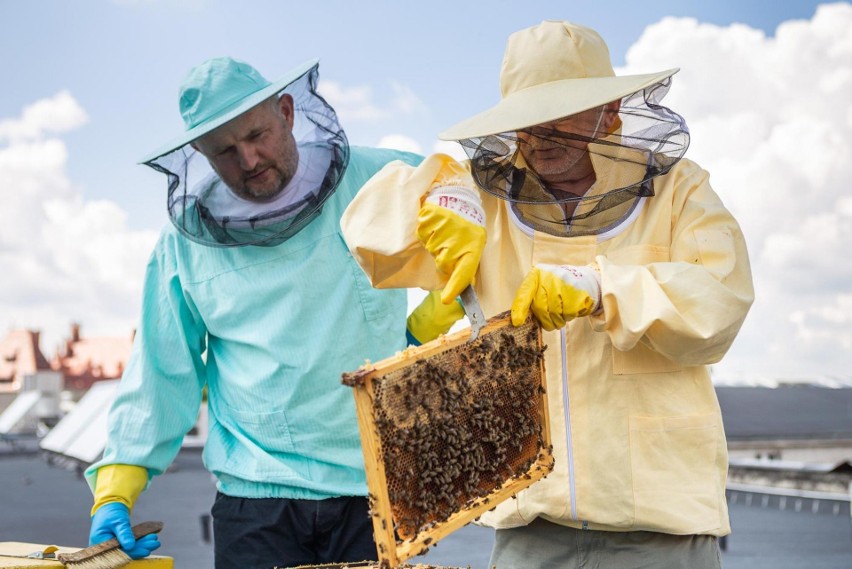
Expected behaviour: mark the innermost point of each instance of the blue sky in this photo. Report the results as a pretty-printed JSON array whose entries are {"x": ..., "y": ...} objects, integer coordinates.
[
  {"x": 123, "y": 60},
  {"x": 90, "y": 86}
]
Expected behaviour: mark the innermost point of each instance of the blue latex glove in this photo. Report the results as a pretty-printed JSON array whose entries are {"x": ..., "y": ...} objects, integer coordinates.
[{"x": 113, "y": 520}]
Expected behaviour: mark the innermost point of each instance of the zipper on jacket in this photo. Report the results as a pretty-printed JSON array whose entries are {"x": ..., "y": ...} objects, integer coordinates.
[{"x": 569, "y": 445}]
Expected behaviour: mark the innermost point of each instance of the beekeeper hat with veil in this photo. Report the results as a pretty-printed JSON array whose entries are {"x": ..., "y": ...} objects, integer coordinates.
[
  {"x": 551, "y": 74},
  {"x": 201, "y": 205}
]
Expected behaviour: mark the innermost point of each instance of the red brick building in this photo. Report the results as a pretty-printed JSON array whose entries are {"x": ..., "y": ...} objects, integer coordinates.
[
  {"x": 20, "y": 355},
  {"x": 84, "y": 361}
]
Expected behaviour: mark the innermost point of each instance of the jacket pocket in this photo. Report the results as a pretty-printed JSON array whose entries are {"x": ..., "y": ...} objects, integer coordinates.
[
  {"x": 269, "y": 432},
  {"x": 641, "y": 359},
  {"x": 675, "y": 473}
]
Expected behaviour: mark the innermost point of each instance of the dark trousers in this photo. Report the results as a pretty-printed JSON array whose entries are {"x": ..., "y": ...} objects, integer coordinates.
[{"x": 275, "y": 532}]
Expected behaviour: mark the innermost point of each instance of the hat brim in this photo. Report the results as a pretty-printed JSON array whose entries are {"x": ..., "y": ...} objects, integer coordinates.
[
  {"x": 550, "y": 101},
  {"x": 242, "y": 106}
]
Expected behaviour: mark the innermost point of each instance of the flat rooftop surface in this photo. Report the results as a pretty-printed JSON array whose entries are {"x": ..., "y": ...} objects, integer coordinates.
[{"x": 41, "y": 503}]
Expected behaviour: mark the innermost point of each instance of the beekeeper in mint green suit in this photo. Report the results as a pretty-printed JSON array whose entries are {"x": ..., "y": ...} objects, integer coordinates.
[
  {"x": 252, "y": 293},
  {"x": 577, "y": 207}
]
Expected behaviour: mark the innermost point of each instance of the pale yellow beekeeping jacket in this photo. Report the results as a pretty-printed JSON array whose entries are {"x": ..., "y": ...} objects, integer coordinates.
[{"x": 636, "y": 426}]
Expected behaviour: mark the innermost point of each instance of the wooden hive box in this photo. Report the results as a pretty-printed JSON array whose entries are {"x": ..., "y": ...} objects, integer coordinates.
[{"x": 450, "y": 429}]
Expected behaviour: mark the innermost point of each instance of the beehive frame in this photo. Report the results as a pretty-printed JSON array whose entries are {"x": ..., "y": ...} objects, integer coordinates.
[{"x": 487, "y": 395}]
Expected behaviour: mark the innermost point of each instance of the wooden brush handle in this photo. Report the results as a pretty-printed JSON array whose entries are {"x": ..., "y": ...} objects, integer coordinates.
[
  {"x": 139, "y": 530},
  {"x": 146, "y": 528}
]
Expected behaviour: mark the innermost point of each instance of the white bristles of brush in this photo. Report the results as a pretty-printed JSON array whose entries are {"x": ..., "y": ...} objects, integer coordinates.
[
  {"x": 112, "y": 559},
  {"x": 106, "y": 555}
]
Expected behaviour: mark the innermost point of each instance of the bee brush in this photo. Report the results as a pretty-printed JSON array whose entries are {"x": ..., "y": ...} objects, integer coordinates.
[{"x": 106, "y": 555}]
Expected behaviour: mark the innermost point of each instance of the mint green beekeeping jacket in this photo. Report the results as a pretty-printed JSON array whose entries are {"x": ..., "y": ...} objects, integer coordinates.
[{"x": 279, "y": 326}]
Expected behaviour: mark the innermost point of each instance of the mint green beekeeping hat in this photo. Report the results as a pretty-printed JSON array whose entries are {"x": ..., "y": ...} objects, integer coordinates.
[
  {"x": 218, "y": 90},
  {"x": 200, "y": 205}
]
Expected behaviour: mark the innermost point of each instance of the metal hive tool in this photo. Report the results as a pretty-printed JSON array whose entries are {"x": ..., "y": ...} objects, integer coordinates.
[{"x": 450, "y": 429}]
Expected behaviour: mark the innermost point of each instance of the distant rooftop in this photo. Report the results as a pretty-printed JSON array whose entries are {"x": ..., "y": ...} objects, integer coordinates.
[
  {"x": 792, "y": 412},
  {"x": 85, "y": 360},
  {"x": 19, "y": 355}
]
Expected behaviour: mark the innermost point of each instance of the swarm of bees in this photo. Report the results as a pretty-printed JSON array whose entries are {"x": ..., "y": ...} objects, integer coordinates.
[{"x": 455, "y": 425}]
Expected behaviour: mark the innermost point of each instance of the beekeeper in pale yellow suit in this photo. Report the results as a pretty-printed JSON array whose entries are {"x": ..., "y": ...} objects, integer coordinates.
[{"x": 577, "y": 205}]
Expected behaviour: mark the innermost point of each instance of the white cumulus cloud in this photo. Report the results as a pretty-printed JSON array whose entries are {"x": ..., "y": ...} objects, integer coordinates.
[
  {"x": 400, "y": 142},
  {"x": 57, "y": 114},
  {"x": 67, "y": 258},
  {"x": 770, "y": 121}
]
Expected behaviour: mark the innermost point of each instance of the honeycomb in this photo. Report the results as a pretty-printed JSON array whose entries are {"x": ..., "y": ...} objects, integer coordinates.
[
  {"x": 454, "y": 422},
  {"x": 454, "y": 426}
]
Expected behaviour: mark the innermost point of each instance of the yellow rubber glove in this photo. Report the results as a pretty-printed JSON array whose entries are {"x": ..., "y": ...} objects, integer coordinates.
[
  {"x": 451, "y": 225},
  {"x": 557, "y": 294},
  {"x": 432, "y": 318},
  {"x": 119, "y": 483}
]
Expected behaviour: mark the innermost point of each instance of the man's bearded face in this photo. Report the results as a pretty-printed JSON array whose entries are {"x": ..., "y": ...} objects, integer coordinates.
[{"x": 255, "y": 154}]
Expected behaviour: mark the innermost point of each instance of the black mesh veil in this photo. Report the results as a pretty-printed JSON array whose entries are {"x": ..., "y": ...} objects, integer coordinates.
[
  {"x": 205, "y": 210},
  {"x": 645, "y": 142}
]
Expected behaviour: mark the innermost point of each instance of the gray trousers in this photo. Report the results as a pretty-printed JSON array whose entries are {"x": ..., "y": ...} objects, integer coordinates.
[{"x": 544, "y": 545}]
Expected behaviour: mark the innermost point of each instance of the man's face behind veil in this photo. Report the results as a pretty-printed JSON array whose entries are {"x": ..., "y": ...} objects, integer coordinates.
[
  {"x": 255, "y": 154},
  {"x": 558, "y": 150}
]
